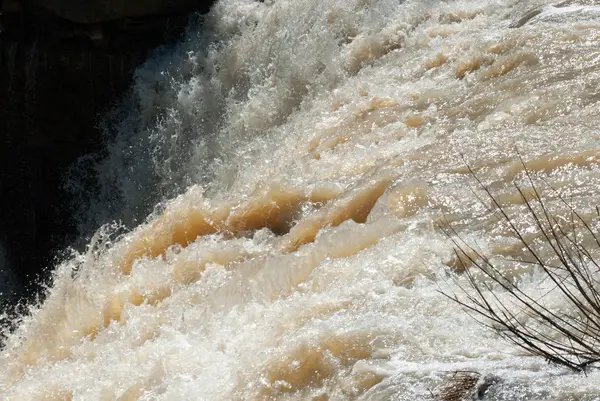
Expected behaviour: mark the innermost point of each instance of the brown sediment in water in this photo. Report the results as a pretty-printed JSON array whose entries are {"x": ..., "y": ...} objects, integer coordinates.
[
  {"x": 552, "y": 161},
  {"x": 377, "y": 113},
  {"x": 310, "y": 365},
  {"x": 436, "y": 61},
  {"x": 355, "y": 204},
  {"x": 272, "y": 209},
  {"x": 367, "y": 49}
]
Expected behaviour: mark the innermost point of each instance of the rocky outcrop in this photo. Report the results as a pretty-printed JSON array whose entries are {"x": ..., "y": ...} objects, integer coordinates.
[
  {"x": 95, "y": 12},
  {"x": 62, "y": 64},
  {"x": 465, "y": 385}
]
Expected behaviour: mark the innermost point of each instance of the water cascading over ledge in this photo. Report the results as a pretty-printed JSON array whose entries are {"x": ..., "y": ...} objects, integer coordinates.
[
  {"x": 319, "y": 144},
  {"x": 63, "y": 64}
]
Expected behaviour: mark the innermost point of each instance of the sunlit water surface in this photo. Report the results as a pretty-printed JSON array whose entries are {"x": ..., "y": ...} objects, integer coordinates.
[{"x": 311, "y": 150}]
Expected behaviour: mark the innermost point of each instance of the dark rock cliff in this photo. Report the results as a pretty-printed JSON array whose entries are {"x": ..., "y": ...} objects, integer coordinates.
[
  {"x": 93, "y": 12},
  {"x": 62, "y": 64}
]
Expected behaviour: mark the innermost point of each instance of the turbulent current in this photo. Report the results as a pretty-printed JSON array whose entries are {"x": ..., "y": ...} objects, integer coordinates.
[{"x": 278, "y": 183}]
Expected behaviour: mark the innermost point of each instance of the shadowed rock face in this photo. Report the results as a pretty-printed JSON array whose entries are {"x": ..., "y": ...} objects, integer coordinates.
[
  {"x": 99, "y": 11},
  {"x": 58, "y": 73}
]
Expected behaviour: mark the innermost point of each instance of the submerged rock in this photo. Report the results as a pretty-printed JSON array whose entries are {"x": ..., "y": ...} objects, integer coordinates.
[{"x": 573, "y": 7}]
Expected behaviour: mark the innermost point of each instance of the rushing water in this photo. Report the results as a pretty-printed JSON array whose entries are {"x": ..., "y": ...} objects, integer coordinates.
[{"x": 310, "y": 150}]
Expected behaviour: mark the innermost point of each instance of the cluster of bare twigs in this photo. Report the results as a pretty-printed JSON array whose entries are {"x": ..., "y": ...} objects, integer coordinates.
[{"x": 571, "y": 338}]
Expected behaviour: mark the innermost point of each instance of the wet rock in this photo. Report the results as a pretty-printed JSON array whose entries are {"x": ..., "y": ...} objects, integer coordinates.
[
  {"x": 465, "y": 385},
  {"x": 573, "y": 7},
  {"x": 526, "y": 18}
]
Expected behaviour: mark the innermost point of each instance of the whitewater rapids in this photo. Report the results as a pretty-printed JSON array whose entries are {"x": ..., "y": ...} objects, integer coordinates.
[{"x": 310, "y": 150}]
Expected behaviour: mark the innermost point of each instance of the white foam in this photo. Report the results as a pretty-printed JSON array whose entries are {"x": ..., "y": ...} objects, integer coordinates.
[{"x": 316, "y": 146}]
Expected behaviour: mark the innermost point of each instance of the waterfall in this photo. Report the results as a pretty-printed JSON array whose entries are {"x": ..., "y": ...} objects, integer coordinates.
[{"x": 265, "y": 219}]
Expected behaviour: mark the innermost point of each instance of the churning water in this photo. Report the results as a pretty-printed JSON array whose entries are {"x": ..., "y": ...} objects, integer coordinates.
[{"x": 310, "y": 150}]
